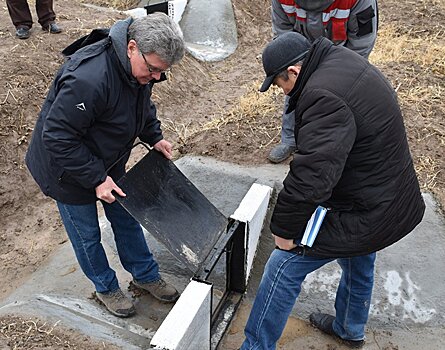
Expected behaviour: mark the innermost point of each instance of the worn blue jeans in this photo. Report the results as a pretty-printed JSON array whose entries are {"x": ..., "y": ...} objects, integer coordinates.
[
  {"x": 281, "y": 284},
  {"x": 288, "y": 125},
  {"x": 82, "y": 225}
]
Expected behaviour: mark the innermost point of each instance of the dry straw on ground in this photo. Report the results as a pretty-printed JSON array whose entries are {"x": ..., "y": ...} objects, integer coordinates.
[{"x": 247, "y": 114}]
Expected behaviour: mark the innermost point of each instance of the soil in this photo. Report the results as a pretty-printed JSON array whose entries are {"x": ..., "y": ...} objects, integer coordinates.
[{"x": 209, "y": 109}]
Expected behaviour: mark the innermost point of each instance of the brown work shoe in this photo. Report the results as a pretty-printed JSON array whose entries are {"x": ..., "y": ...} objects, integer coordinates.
[
  {"x": 160, "y": 289},
  {"x": 117, "y": 303}
]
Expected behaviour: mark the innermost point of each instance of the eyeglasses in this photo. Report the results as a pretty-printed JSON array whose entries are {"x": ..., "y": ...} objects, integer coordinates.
[{"x": 150, "y": 68}]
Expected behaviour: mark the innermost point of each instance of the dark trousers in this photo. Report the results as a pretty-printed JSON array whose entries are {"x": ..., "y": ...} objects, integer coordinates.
[{"x": 21, "y": 15}]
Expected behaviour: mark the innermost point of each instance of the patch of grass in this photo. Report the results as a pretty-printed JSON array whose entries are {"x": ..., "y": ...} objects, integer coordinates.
[
  {"x": 431, "y": 169},
  {"x": 121, "y": 5},
  {"x": 248, "y": 113},
  {"x": 401, "y": 48}
]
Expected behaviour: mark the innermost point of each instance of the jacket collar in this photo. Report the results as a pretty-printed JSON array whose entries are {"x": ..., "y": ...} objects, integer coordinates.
[{"x": 316, "y": 55}]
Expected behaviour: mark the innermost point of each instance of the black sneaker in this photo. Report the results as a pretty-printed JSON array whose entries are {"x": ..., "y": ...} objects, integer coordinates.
[
  {"x": 52, "y": 28},
  {"x": 22, "y": 33},
  {"x": 324, "y": 323}
]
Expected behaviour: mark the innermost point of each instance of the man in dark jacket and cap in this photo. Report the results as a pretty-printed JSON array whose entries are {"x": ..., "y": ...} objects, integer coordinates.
[
  {"x": 353, "y": 159},
  {"x": 98, "y": 104},
  {"x": 349, "y": 23}
]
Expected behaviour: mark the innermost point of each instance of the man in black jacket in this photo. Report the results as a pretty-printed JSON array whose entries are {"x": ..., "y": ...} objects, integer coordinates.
[
  {"x": 349, "y": 23},
  {"x": 353, "y": 159},
  {"x": 98, "y": 104}
]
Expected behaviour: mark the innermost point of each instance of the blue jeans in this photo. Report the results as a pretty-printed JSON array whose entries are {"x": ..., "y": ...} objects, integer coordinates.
[
  {"x": 281, "y": 284},
  {"x": 288, "y": 125},
  {"x": 82, "y": 225}
]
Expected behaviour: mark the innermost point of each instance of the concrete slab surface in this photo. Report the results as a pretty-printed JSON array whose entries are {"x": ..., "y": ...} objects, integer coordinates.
[{"x": 408, "y": 307}]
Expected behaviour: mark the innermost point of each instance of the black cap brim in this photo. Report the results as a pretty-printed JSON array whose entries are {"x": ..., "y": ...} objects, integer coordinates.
[{"x": 267, "y": 83}]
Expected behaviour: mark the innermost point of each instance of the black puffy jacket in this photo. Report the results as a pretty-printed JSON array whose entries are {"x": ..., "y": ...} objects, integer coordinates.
[
  {"x": 93, "y": 113},
  {"x": 352, "y": 157}
]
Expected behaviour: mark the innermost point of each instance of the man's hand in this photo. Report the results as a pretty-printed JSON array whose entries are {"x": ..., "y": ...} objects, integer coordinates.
[
  {"x": 165, "y": 148},
  {"x": 283, "y": 243},
  {"x": 103, "y": 191}
]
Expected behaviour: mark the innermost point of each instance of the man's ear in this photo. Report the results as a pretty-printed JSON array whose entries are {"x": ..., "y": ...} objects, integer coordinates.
[
  {"x": 131, "y": 48},
  {"x": 294, "y": 70}
]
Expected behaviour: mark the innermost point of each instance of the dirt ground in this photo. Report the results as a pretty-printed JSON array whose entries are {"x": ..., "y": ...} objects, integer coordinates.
[{"x": 209, "y": 109}]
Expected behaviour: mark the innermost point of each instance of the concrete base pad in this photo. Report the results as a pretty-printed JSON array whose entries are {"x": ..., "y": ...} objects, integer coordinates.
[{"x": 408, "y": 308}]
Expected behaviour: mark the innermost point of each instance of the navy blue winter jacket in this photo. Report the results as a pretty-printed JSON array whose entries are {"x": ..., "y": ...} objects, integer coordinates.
[{"x": 93, "y": 113}]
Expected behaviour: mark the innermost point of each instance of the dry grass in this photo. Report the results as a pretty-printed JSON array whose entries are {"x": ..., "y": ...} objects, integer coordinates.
[
  {"x": 121, "y": 5},
  {"x": 24, "y": 334},
  {"x": 247, "y": 114},
  {"x": 391, "y": 46},
  {"x": 431, "y": 170}
]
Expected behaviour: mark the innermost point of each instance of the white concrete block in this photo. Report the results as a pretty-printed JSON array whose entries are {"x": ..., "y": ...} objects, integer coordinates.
[
  {"x": 187, "y": 326},
  {"x": 252, "y": 211}
]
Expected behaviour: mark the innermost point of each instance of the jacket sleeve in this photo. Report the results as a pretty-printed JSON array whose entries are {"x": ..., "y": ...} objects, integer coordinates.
[
  {"x": 77, "y": 101},
  {"x": 280, "y": 21},
  {"x": 325, "y": 138},
  {"x": 151, "y": 133},
  {"x": 362, "y": 27}
]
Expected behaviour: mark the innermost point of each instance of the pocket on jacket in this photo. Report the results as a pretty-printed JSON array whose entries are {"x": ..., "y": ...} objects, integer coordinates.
[{"x": 364, "y": 21}]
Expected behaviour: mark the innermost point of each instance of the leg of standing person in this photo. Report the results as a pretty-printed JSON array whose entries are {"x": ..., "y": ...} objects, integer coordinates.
[
  {"x": 354, "y": 296},
  {"x": 135, "y": 255},
  {"x": 287, "y": 146},
  {"x": 276, "y": 296},
  {"x": 82, "y": 226},
  {"x": 352, "y": 301},
  {"x": 132, "y": 248},
  {"x": 20, "y": 16},
  {"x": 47, "y": 16}
]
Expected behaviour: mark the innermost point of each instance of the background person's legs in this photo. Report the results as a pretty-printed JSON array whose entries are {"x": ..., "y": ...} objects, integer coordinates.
[
  {"x": 287, "y": 146},
  {"x": 20, "y": 13},
  {"x": 45, "y": 12}
]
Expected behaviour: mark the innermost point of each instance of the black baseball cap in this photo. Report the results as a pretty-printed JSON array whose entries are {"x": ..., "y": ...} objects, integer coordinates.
[{"x": 283, "y": 51}]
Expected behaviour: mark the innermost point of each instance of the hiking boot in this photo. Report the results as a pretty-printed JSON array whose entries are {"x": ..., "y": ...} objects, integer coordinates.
[
  {"x": 22, "y": 33},
  {"x": 117, "y": 303},
  {"x": 280, "y": 153},
  {"x": 52, "y": 28},
  {"x": 160, "y": 289},
  {"x": 324, "y": 323}
]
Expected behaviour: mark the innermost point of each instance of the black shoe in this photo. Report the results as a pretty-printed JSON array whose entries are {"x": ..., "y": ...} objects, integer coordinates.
[
  {"x": 52, "y": 28},
  {"x": 324, "y": 323},
  {"x": 22, "y": 33}
]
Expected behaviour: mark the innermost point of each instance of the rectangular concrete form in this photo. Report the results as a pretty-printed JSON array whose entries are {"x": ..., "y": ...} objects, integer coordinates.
[
  {"x": 187, "y": 326},
  {"x": 252, "y": 211}
]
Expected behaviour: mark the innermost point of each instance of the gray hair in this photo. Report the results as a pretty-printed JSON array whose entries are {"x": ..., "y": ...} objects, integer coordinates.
[{"x": 157, "y": 33}]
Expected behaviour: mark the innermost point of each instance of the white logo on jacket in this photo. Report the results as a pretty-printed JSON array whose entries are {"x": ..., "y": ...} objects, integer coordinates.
[{"x": 81, "y": 106}]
